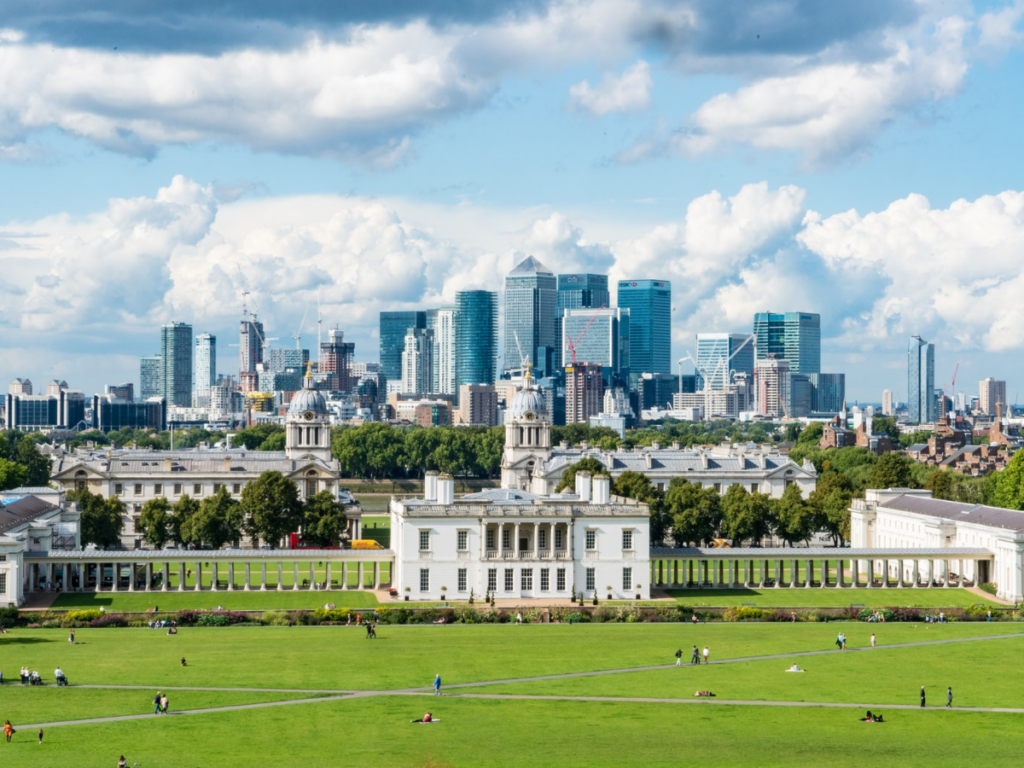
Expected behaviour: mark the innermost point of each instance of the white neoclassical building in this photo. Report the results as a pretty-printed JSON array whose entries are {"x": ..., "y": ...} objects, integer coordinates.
[{"x": 515, "y": 543}]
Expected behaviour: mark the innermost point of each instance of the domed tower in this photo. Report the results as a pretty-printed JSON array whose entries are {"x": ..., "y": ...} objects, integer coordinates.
[
  {"x": 308, "y": 424},
  {"x": 527, "y": 437}
]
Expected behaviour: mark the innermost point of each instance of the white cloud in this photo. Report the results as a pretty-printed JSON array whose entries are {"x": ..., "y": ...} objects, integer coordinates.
[
  {"x": 628, "y": 93},
  {"x": 997, "y": 29}
]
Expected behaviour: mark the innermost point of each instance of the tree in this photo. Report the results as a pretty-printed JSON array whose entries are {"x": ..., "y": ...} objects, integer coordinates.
[
  {"x": 745, "y": 516},
  {"x": 1009, "y": 488},
  {"x": 794, "y": 517},
  {"x": 323, "y": 520},
  {"x": 181, "y": 528},
  {"x": 272, "y": 508},
  {"x": 811, "y": 434},
  {"x": 275, "y": 442},
  {"x": 792, "y": 432},
  {"x": 892, "y": 470},
  {"x": 453, "y": 454},
  {"x": 217, "y": 521},
  {"x": 12, "y": 475},
  {"x": 488, "y": 445},
  {"x": 371, "y": 450},
  {"x": 255, "y": 436},
  {"x": 831, "y": 504},
  {"x": 636, "y": 485},
  {"x": 102, "y": 519},
  {"x": 886, "y": 425},
  {"x": 155, "y": 522},
  {"x": 942, "y": 484},
  {"x": 37, "y": 465},
  {"x": 586, "y": 464},
  {"x": 695, "y": 512}
]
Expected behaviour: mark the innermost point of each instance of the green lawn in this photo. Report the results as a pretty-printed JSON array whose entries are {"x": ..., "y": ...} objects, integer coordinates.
[
  {"x": 376, "y": 731},
  {"x": 232, "y": 601},
  {"x": 786, "y": 597}
]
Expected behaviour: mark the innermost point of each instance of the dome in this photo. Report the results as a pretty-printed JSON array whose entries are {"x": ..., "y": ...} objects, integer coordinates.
[
  {"x": 307, "y": 399},
  {"x": 527, "y": 400}
]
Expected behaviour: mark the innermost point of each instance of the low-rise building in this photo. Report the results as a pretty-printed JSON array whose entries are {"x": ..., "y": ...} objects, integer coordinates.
[{"x": 33, "y": 520}]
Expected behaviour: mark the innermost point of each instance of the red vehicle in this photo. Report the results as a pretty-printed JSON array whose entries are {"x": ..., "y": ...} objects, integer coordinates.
[{"x": 295, "y": 542}]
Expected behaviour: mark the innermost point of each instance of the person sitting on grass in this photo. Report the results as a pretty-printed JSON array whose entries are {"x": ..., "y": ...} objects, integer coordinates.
[
  {"x": 704, "y": 694},
  {"x": 183, "y": 662},
  {"x": 869, "y": 718},
  {"x": 795, "y": 668}
]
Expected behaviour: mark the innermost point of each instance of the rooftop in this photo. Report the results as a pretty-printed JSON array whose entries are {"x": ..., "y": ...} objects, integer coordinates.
[
  {"x": 979, "y": 514},
  {"x": 15, "y": 512}
]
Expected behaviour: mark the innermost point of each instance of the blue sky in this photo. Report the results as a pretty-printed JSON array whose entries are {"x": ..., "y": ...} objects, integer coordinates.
[{"x": 857, "y": 159}]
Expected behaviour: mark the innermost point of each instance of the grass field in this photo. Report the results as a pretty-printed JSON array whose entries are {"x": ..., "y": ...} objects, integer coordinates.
[
  {"x": 786, "y": 597},
  {"x": 375, "y": 730},
  {"x": 232, "y": 601}
]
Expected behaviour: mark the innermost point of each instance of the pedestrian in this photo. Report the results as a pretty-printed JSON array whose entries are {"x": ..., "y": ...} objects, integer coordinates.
[
  {"x": 949, "y": 696},
  {"x": 705, "y": 654},
  {"x": 922, "y": 695},
  {"x": 156, "y": 703},
  {"x": 40, "y": 737},
  {"x": 844, "y": 640},
  {"x": 71, "y": 637},
  {"x": 695, "y": 659},
  {"x": 437, "y": 685},
  {"x": 839, "y": 641},
  {"x": 990, "y": 615},
  {"x": 679, "y": 657},
  {"x": 373, "y": 631},
  {"x": 163, "y": 704},
  {"x": 8, "y": 730},
  {"x": 122, "y": 763},
  {"x": 369, "y": 629},
  {"x": 872, "y": 640}
]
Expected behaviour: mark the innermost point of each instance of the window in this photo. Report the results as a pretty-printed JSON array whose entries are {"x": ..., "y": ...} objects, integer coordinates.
[
  {"x": 591, "y": 539},
  {"x": 177, "y": 489},
  {"x": 718, "y": 487},
  {"x": 197, "y": 489},
  {"x": 627, "y": 540},
  {"x": 138, "y": 489},
  {"x": 3, "y": 583},
  {"x": 492, "y": 579},
  {"x": 560, "y": 579},
  {"x": 310, "y": 488},
  {"x": 542, "y": 538},
  {"x": 216, "y": 488},
  {"x": 118, "y": 489},
  {"x": 545, "y": 579},
  {"x": 506, "y": 538},
  {"x": 158, "y": 489},
  {"x": 490, "y": 539},
  {"x": 753, "y": 487},
  {"x": 510, "y": 580},
  {"x": 590, "y": 580},
  {"x": 424, "y": 579},
  {"x": 559, "y": 535},
  {"x": 627, "y": 579},
  {"x": 463, "y": 541},
  {"x": 526, "y": 579},
  {"x": 424, "y": 541},
  {"x": 236, "y": 488},
  {"x": 462, "y": 579}
]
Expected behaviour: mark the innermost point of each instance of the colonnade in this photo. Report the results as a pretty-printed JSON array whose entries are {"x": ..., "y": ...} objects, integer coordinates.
[{"x": 557, "y": 543}]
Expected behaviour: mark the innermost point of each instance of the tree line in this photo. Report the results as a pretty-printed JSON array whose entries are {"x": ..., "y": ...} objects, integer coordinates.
[{"x": 21, "y": 463}]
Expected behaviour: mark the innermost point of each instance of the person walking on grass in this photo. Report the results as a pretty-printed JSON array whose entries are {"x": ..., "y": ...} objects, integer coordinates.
[
  {"x": 922, "y": 695},
  {"x": 8, "y": 730},
  {"x": 949, "y": 696},
  {"x": 872, "y": 639},
  {"x": 40, "y": 737},
  {"x": 695, "y": 659},
  {"x": 679, "y": 657},
  {"x": 437, "y": 685},
  {"x": 156, "y": 703},
  {"x": 163, "y": 704},
  {"x": 705, "y": 654},
  {"x": 71, "y": 637}
]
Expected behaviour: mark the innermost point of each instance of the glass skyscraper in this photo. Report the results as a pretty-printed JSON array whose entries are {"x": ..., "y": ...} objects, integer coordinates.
[
  {"x": 829, "y": 392},
  {"x": 393, "y": 326},
  {"x": 575, "y": 292},
  {"x": 713, "y": 355},
  {"x": 650, "y": 324},
  {"x": 921, "y": 403},
  {"x": 206, "y": 366},
  {"x": 792, "y": 336},
  {"x": 476, "y": 337},
  {"x": 176, "y": 364},
  {"x": 605, "y": 342},
  {"x": 149, "y": 377},
  {"x": 442, "y": 322},
  {"x": 530, "y": 300}
]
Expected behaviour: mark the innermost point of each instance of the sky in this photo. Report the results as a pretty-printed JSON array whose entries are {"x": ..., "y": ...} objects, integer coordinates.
[{"x": 856, "y": 158}]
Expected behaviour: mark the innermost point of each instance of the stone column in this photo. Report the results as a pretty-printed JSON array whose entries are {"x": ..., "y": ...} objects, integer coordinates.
[
  {"x": 917, "y": 581},
  {"x": 181, "y": 577},
  {"x": 359, "y": 575},
  {"x": 131, "y": 577},
  {"x": 960, "y": 572},
  {"x": 231, "y": 577},
  {"x": 871, "y": 574},
  {"x": 945, "y": 573},
  {"x": 809, "y": 575},
  {"x": 295, "y": 577},
  {"x": 248, "y": 569},
  {"x": 536, "y": 541},
  {"x": 515, "y": 544},
  {"x": 280, "y": 576},
  {"x": 199, "y": 576},
  {"x": 376, "y": 575},
  {"x": 500, "y": 542},
  {"x": 344, "y": 575},
  {"x": 214, "y": 577},
  {"x": 263, "y": 576},
  {"x": 855, "y": 574},
  {"x": 312, "y": 574},
  {"x": 327, "y": 574}
]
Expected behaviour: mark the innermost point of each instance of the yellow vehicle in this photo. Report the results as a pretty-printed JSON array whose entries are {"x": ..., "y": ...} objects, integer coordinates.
[{"x": 366, "y": 544}]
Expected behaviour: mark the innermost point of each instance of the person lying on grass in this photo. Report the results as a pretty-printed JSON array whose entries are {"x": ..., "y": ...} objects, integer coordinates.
[
  {"x": 704, "y": 693},
  {"x": 427, "y": 718}
]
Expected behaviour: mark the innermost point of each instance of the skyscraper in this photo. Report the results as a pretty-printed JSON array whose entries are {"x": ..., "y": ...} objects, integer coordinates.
[
  {"x": 792, "y": 336},
  {"x": 829, "y": 392},
  {"x": 991, "y": 393},
  {"x": 335, "y": 360},
  {"x": 393, "y": 326},
  {"x": 250, "y": 345},
  {"x": 772, "y": 387},
  {"x": 416, "y": 360},
  {"x": 722, "y": 353},
  {"x": 442, "y": 322},
  {"x": 176, "y": 364},
  {"x": 888, "y": 404},
  {"x": 206, "y": 367},
  {"x": 149, "y": 377},
  {"x": 476, "y": 337},
  {"x": 921, "y": 404},
  {"x": 650, "y": 324},
  {"x": 584, "y": 392},
  {"x": 531, "y": 295},
  {"x": 576, "y": 291},
  {"x": 600, "y": 336}
]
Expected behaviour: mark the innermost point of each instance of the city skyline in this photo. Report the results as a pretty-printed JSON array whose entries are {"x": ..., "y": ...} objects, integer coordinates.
[{"x": 669, "y": 153}]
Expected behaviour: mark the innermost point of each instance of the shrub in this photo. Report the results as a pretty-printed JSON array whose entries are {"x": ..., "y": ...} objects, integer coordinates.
[
  {"x": 188, "y": 618},
  {"x": 8, "y": 617},
  {"x": 109, "y": 620},
  {"x": 75, "y": 618},
  {"x": 578, "y": 617},
  {"x": 905, "y": 613},
  {"x": 339, "y": 615},
  {"x": 51, "y": 624},
  {"x": 743, "y": 613},
  {"x": 989, "y": 587}
]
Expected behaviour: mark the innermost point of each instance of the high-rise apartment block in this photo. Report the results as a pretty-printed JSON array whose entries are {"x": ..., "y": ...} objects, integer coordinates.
[
  {"x": 149, "y": 377},
  {"x": 584, "y": 392},
  {"x": 888, "y": 403},
  {"x": 476, "y": 337},
  {"x": 442, "y": 322},
  {"x": 417, "y": 361},
  {"x": 478, "y": 405},
  {"x": 531, "y": 295},
  {"x": 992, "y": 396},
  {"x": 721, "y": 354},
  {"x": 206, "y": 367},
  {"x": 250, "y": 345},
  {"x": 650, "y": 324},
  {"x": 176, "y": 364},
  {"x": 922, "y": 406},
  {"x": 287, "y": 358},
  {"x": 393, "y": 327},
  {"x": 335, "y": 361},
  {"x": 772, "y": 387},
  {"x": 791, "y": 336}
]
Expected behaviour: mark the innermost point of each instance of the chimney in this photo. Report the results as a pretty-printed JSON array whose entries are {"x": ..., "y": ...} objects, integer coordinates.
[
  {"x": 564, "y": 445},
  {"x": 656, "y": 446},
  {"x": 583, "y": 486},
  {"x": 649, "y": 460},
  {"x": 675, "y": 445},
  {"x": 167, "y": 465},
  {"x": 584, "y": 445},
  {"x": 227, "y": 463},
  {"x": 602, "y": 489},
  {"x": 430, "y": 486},
  {"x": 445, "y": 489}
]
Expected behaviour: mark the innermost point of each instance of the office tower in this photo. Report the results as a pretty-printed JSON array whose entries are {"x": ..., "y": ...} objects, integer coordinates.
[
  {"x": 921, "y": 404},
  {"x": 655, "y": 390},
  {"x": 792, "y": 336},
  {"x": 584, "y": 392},
  {"x": 801, "y": 395},
  {"x": 577, "y": 292},
  {"x": 206, "y": 367},
  {"x": 600, "y": 336},
  {"x": 281, "y": 360},
  {"x": 20, "y": 387},
  {"x": 442, "y": 322},
  {"x": 416, "y": 361},
  {"x": 393, "y": 326},
  {"x": 531, "y": 295},
  {"x": 476, "y": 337},
  {"x": 772, "y": 387},
  {"x": 29, "y": 413},
  {"x": 478, "y": 405},
  {"x": 250, "y": 345},
  {"x": 888, "y": 404},
  {"x": 829, "y": 392},
  {"x": 110, "y": 413},
  {"x": 54, "y": 387},
  {"x": 650, "y": 324},
  {"x": 336, "y": 361},
  {"x": 149, "y": 377},
  {"x": 721, "y": 354},
  {"x": 992, "y": 393},
  {"x": 124, "y": 391},
  {"x": 176, "y": 364}
]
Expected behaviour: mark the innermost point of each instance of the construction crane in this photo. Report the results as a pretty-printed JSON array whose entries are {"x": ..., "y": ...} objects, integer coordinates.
[
  {"x": 569, "y": 342},
  {"x": 524, "y": 360},
  {"x": 953, "y": 387},
  {"x": 298, "y": 334}
]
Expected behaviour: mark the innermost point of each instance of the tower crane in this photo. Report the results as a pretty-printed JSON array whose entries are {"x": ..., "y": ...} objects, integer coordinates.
[
  {"x": 953, "y": 387},
  {"x": 569, "y": 342},
  {"x": 298, "y": 334}
]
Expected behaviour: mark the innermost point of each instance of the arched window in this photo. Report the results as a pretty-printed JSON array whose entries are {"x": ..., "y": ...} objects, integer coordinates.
[{"x": 80, "y": 480}]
